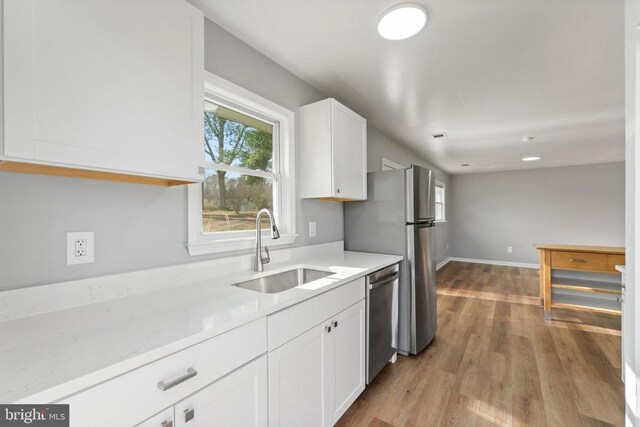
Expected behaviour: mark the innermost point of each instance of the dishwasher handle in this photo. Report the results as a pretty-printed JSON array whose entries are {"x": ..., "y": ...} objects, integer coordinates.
[{"x": 384, "y": 281}]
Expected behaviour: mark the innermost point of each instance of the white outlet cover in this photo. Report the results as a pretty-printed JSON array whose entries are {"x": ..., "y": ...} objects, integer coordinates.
[
  {"x": 72, "y": 238},
  {"x": 312, "y": 229}
]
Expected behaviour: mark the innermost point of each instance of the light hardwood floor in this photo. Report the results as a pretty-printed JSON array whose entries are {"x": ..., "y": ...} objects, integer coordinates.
[{"x": 495, "y": 361}]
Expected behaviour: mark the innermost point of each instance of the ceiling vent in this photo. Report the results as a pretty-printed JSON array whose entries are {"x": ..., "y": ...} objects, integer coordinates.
[{"x": 438, "y": 135}]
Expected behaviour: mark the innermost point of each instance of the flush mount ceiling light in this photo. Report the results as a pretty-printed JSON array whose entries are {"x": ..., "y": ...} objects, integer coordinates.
[
  {"x": 531, "y": 158},
  {"x": 402, "y": 21}
]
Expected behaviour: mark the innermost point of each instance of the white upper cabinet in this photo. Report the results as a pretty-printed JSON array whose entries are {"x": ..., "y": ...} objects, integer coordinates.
[
  {"x": 333, "y": 152},
  {"x": 104, "y": 85}
]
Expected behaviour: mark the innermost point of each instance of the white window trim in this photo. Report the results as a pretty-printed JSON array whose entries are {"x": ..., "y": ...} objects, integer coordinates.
[
  {"x": 386, "y": 164},
  {"x": 200, "y": 243},
  {"x": 444, "y": 202}
]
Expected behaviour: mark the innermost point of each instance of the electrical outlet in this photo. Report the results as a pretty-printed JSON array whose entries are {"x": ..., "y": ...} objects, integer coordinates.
[
  {"x": 509, "y": 249},
  {"x": 80, "y": 247},
  {"x": 312, "y": 229}
]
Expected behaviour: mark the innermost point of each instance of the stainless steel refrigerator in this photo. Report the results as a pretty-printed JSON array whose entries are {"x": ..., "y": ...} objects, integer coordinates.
[{"x": 398, "y": 218}]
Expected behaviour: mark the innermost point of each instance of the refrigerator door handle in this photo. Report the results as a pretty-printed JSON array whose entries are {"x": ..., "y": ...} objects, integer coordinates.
[{"x": 384, "y": 281}]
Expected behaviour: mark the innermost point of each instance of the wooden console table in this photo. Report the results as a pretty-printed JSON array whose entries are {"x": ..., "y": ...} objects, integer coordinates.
[{"x": 589, "y": 259}]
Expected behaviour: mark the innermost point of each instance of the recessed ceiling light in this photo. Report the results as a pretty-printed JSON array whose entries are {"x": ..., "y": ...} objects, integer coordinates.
[
  {"x": 531, "y": 158},
  {"x": 439, "y": 135},
  {"x": 464, "y": 165},
  {"x": 528, "y": 138},
  {"x": 402, "y": 21}
]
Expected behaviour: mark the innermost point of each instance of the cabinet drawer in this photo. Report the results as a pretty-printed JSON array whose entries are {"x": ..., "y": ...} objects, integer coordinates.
[
  {"x": 579, "y": 261},
  {"x": 293, "y": 321},
  {"x": 136, "y": 395}
]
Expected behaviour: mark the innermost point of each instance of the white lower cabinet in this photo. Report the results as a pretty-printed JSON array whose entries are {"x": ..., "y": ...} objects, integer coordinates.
[
  {"x": 298, "y": 381},
  {"x": 315, "y": 377},
  {"x": 348, "y": 359},
  {"x": 239, "y": 399},
  {"x": 137, "y": 395},
  {"x": 301, "y": 366},
  {"x": 162, "y": 419}
]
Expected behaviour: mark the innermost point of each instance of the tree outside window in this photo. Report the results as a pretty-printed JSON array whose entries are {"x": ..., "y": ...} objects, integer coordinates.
[{"x": 240, "y": 181}]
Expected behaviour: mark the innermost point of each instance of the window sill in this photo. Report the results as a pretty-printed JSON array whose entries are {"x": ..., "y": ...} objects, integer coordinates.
[{"x": 215, "y": 246}]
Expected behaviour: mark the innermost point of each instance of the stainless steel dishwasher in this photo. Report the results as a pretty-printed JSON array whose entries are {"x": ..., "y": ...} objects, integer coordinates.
[{"x": 382, "y": 319}]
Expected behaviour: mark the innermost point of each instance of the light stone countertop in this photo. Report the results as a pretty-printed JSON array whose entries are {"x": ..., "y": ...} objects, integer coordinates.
[{"x": 47, "y": 357}]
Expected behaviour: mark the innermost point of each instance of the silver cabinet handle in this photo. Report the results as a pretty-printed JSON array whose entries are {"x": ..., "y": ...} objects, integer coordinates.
[
  {"x": 335, "y": 324},
  {"x": 580, "y": 260},
  {"x": 327, "y": 328},
  {"x": 166, "y": 386},
  {"x": 168, "y": 423},
  {"x": 189, "y": 414}
]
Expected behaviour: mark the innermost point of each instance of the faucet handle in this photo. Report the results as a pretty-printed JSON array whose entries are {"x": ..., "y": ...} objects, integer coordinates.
[{"x": 266, "y": 259}]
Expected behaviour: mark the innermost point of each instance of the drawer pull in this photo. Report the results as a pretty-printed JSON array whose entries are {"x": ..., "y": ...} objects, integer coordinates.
[
  {"x": 580, "y": 260},
  {"x": 189, "y": 414},
  {"x": 166, "y": 386},
  {"x": 168, "y": 423}
]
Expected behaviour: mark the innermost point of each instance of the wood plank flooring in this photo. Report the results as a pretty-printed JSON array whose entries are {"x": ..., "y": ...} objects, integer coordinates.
[{"x": 496, "y": 361}]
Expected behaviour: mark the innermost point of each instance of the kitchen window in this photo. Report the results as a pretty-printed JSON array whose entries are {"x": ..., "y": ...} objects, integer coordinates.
[
  {"x": 248, "y": 165},
  {"x": 440, "y": 211}
]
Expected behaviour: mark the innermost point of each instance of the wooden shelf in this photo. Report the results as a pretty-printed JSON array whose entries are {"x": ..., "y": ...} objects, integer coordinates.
[
  {"x": 581, "y": 285},
  {"x": 575, "y": 302}
]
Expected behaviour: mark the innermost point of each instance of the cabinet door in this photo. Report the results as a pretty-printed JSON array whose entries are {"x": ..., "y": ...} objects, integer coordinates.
[
  {"x": 109, "y": 85},
  {"x": 297, "y": 380},
  {"x": 347, "y": 370},
  {"x": 239, "y": 399},
  {"x": 349, "y": 150},
  {"x": 163, "y": 419}
]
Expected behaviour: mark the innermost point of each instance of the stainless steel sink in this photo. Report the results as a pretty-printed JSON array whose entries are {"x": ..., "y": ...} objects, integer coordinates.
[{"x": 280, "y": 282}]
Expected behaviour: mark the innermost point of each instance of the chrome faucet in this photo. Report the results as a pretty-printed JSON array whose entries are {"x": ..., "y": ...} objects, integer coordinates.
[{"x": 258, "y": 265}]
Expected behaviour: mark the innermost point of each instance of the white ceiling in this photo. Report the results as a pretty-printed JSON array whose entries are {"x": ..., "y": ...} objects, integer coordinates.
[{"x": 486, "y": 72}]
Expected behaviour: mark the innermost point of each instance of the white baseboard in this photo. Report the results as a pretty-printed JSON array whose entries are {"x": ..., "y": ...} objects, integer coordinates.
[
  {"x": 492, "y": 262},
  {"x": 443, "y": 263}
]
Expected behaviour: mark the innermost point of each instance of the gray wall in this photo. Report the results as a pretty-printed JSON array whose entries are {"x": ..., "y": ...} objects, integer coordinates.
[
  {"x": 379, "y": 145},
  {"x": 136, "y": 226},
  {"x": 573, "y": 205}
]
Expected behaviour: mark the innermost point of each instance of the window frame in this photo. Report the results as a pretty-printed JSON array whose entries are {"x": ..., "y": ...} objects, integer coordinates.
[
  {"x": 444, "y": 201},
  {"x": 233, "y": 96}
]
